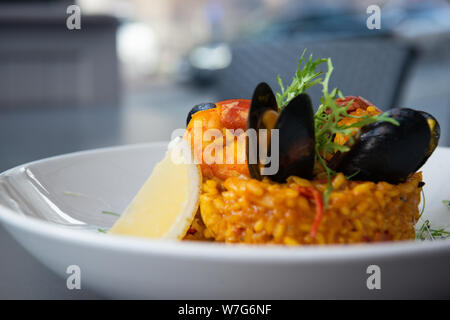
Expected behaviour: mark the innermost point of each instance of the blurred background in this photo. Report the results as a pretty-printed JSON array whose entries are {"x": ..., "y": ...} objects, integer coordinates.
[{"x": 136, "y": 67}]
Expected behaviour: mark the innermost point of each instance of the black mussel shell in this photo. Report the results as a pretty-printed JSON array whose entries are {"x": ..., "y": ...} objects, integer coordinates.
[
  {"x": 263, "y": 100},
  {"x": 386, "y": 152},
  {"x": 199, "y": 107},
  {"x": 435, "y": 131},
  {"x": 297, "y": 140},
  {"x": 296, "y": 134}
]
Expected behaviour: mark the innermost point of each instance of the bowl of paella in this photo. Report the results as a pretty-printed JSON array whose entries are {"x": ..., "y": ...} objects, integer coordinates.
[
  {"x": 267, "y": 197},
  {"x": 271, "y": 171}
]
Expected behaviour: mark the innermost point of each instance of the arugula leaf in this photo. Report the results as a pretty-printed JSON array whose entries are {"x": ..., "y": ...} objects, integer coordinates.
[{"x": 305, "y": 77}]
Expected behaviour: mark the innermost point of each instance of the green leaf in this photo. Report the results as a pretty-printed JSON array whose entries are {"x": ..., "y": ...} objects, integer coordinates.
[
  {"x": 305, "y": 77},
  {"x": 423, "y": 205},
  {"x": 111, "y": 213},
  {"x": 280, "y": 83},
  {"x": 426, "y": 232}
]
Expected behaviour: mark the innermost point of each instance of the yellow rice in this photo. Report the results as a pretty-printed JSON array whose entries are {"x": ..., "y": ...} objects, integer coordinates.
[{"x": 246, "y": 210}]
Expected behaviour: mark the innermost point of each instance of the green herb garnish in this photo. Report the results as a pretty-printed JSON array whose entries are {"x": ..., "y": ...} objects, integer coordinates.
[
  {"x": 102, "y": 230},
  {"x": 305, "y": 77},
  {"x": 426, "y": 232},
  {"x": 329, "y": 114},
  {"x": 423, "y": 205},
  {"x": 111, "y": 213}
]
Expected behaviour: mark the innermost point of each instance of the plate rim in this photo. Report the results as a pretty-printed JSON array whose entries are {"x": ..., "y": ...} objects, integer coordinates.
[{"x": 238, "y": 253}]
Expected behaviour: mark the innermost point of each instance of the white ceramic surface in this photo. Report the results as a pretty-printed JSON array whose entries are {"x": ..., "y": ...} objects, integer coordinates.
[{"x": 54, "y": 207}]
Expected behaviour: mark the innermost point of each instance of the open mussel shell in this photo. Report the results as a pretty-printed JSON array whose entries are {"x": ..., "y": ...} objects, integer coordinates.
[
  {"x": 197, "y": 108},
  {"x": 386, "y": 152},
  {"x": 296, "y": 140},
  {"x": 263, "y": 100},
  {"x": 263, "y": 104},
  {"x": 435, "y": 131}
]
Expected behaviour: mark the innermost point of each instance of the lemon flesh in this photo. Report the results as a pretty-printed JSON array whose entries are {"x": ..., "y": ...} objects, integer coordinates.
[{"x": 165, "y": 206}]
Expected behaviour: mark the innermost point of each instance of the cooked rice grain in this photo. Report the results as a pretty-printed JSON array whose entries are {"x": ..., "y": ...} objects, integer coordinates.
[{"x": 245, "y": 210}]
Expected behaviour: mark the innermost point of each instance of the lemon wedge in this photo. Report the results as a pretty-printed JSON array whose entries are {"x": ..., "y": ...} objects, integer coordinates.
[{"x": 165, "y": 206}]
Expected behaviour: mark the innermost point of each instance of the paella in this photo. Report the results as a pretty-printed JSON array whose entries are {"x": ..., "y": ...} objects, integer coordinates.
[{"x": 271, "y": 170}]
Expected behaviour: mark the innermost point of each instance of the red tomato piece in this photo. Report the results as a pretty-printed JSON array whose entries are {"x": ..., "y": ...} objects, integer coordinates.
[
  {"x": 233, "y": 113},
  {"x": 358, "y": 102}
]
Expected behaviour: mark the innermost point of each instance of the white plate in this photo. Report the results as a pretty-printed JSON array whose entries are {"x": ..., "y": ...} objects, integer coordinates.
[{"x": 53, "y": 208}]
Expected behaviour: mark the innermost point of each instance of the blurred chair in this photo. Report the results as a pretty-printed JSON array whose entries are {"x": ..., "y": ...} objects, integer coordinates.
[
  {"x": 43, "y": 64},
  {"x": 373, "y": 69}
]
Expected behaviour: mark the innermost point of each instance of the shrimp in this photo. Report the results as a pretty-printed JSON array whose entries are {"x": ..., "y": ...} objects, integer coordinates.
[{"x": 225, "y": 141}]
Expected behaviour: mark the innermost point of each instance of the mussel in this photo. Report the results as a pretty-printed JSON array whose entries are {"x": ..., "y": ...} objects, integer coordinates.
[
  {"x": 435, "y": 131},
  {"x": 387, "y": 152},
  {"x": 381, "y": 151},
  {"x": 199, "y": 107},
  {"x": 295, "y": 125}
]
